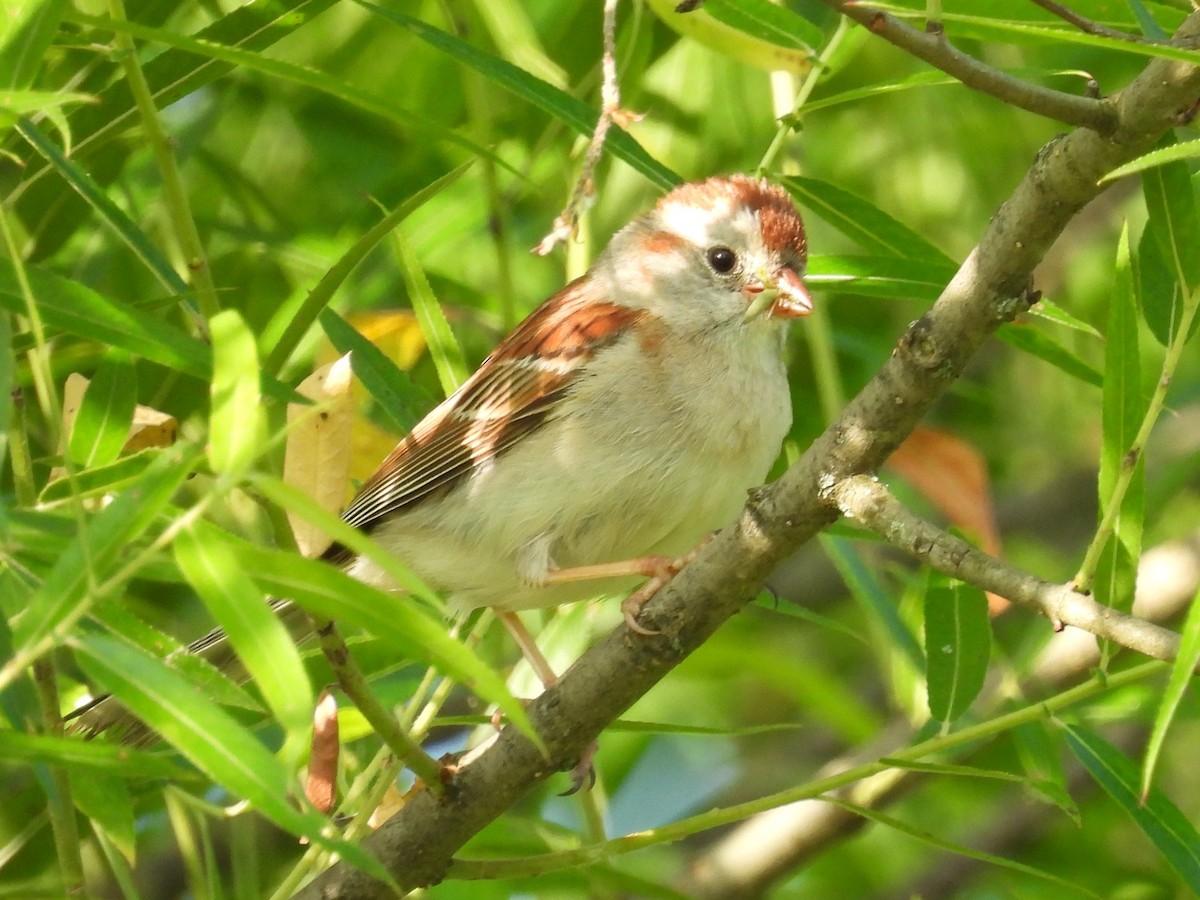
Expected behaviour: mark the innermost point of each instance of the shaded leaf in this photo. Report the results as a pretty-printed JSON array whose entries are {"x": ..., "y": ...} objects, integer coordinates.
[
  {"x": 861, "y": 221},
  {"x": 1159, "y": 819},
  {"x": 958, "y": 642},
  {"x": 1037, "y": 343},
  {"x": 1183, "y": 674}
]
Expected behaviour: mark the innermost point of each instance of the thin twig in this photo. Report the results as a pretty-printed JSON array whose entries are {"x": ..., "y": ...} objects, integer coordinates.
[
  {"x": 1087, "y": 26},
  {"x": 610, "y": 112},
  {"x": 867, "y": 501},
  {"x": 935, "y": 49}
]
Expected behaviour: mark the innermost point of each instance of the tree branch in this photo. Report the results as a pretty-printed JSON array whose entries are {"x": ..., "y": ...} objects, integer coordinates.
[
  {"x": 935, "y": 49},
  {"x": 990, "y": 288},
  {"x": 868, "y": 501}
]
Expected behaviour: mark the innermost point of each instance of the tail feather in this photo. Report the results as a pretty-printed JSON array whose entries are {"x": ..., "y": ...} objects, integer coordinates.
[{"x": 105, "y": 714}]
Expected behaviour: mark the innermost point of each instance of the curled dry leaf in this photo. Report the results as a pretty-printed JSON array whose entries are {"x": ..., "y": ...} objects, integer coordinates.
[
  {"x": 321, "y": 786},
  {"x": 318, "y": 447},
  {"x": 953, "y": 476}
]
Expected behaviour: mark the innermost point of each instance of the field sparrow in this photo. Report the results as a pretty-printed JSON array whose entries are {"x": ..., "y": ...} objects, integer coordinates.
[{"x": 616, "y": 427}]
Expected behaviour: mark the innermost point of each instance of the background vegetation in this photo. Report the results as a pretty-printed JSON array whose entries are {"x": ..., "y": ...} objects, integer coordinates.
[{"x": 180, "y": 175}]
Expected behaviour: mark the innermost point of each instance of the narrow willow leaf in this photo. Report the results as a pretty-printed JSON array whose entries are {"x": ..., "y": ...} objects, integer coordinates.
[
  {"x": 1030, "y": 340},
  {"x": 262, "y": 643},
  {"x": 1183, "y": 671},
  {"x": 567, "y": 109},
  {"x": 1050, "y": 311},
  {"x": 1180, "y": 152},
  {"x": 892, "y": 277},
  {"x": 401, "y": 399},
  {"x": 299, "y": 503},
  {"x": 1169, "y": 267},
  {"x": 29, "y": 30},
  {"x": 320, "y": 587},
  {"x": 101, "y": 480},
  {"x": 215, "y": 684},
  {"x": 514, "y": 34},
  {"x": 66, "y": 593},
  {"x": 1043, "y": 789},
  {"x": 753, "y": 32},
  {"x": 958, "y": 642},
  {"x": 101, "y": 424},
  {"x": 866, "y": 589},
  {"x": 207, "y": 736},
  {"x": 111, "y": 214},
  {"x": 861, "y": 221},
  {"x": 88, "y": 756},
  {"x": 1123, "y": 410},
  {"x": 443, "y": 345},
  {"x": 237, "y": 425},
  {"x": 1147, "y": 22},
  {"x": 1159, "y": 819},
  {"x": 69, "y": 306}
]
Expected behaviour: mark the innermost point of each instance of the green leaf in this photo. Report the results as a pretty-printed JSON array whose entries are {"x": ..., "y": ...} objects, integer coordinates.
[
  {"x": 1183, "y": 674},
  {"x": 1123, "y": 411},
  {"x": 1052, "y": 312},
  {"x": 218, "y": 686},
  {"x": 320, "y": 587},
  {"x": 1037, "y": 343},
  {"x": 443, "y": 345},
  {"x": 87, "y": 756},
  {"x": 1173, "y": 230},
  {"x": 958, "y": 642},
  {"x": 340, "y": 531},
  {"x": 773, "y": 38},
  {"x": 1158, "y": 818},
  {"x": 7, "y": 364},
  {"x": 892, "y": 277},
  {"x": 29, "y": 30},
  {"x": 567, "y": 109},
  {"x": 100, "y": 480},
  {"x": 1041, "y": 757},
  {"x": 237, "y": 426},
  {"x": 70, "y": 587},
  {"x": 262, "y": 643},
  {"x": 69, "y": 306},
  {"x": 402, "y": 399},
  {"x": 870, "y": 227},
  {"x": 102, "y": 423},
  {"x": 207, "y": 736},
  {"x": 1180, "y": 152},
  {"x": 1171, "y": 204}
]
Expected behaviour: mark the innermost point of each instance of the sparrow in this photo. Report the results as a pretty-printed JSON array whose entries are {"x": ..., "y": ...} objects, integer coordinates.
[{"x": 621, "y": 423}]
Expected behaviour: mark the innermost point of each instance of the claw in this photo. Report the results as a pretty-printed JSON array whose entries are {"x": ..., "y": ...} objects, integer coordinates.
[{"x": 583, "y": 771}]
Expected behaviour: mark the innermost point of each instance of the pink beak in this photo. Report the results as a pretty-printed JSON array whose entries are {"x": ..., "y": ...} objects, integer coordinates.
[{"x": 792, "y": 299}]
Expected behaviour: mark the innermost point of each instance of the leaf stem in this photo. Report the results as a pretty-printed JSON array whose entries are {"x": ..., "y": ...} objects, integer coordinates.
[{"x": 1091, "y": 560}]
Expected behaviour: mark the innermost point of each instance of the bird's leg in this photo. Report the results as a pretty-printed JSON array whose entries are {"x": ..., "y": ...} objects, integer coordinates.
[
  {"x": 659, "y": 569},
  {"x": 583, "y": 771},
  {"x": 529, "y": 648}
]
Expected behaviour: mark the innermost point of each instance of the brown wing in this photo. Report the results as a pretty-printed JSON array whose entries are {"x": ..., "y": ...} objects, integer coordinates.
[{"x": 510, "y": 395}]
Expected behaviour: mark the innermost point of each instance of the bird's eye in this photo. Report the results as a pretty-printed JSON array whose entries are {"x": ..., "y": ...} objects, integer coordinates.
[{"x": 722, "y": 259}]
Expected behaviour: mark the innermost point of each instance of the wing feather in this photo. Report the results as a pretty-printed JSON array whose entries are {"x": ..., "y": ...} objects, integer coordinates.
[{"x": 511, "y": 394}]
